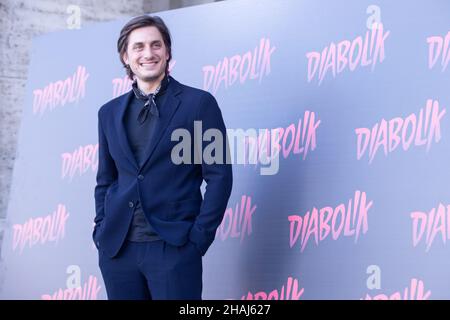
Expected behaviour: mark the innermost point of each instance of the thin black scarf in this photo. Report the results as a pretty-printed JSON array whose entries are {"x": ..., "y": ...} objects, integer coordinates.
[{"x": 150, "y": 103}]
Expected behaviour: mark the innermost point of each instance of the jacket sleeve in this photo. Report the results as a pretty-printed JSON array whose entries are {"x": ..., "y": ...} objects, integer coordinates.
[
  {"x": 106, "y": 174},
  {"x": 217, "y": 175}
]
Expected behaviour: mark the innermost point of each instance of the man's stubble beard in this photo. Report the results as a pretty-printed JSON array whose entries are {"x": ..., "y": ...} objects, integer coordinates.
[{"x": 151, "y": 78}]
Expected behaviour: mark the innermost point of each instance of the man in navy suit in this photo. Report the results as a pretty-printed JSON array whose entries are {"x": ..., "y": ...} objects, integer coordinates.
[{"x": 152, "y": 225}]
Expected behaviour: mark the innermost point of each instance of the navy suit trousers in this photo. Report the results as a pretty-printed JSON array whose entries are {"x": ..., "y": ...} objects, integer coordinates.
[{"x": 153, "y": 270}]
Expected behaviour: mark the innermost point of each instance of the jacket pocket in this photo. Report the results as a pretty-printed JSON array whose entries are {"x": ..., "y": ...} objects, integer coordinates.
[{"x": 184, "y": 210}]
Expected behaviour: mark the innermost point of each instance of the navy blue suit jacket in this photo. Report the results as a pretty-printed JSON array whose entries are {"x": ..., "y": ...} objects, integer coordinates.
[{"x": 169, "y": 194}]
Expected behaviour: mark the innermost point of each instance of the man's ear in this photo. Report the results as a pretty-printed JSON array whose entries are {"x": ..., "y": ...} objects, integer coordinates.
[{"x": 125, "y": 58}]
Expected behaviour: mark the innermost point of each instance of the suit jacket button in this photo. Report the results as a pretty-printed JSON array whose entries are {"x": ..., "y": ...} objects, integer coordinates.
[
  {"x": 140, "y": 177},
  {"x": 131, "y": 204}
]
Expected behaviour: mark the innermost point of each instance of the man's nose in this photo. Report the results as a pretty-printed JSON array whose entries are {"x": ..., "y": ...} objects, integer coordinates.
[{"x": 148, "y": 52}]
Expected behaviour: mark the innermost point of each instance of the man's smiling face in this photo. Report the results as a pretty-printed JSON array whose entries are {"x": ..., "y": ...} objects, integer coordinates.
[{"x": 146, "y": 54}]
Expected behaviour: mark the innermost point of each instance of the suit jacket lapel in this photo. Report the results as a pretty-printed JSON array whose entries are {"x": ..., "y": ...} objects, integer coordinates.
[
  {"x": 121, "y": 132},
  {"x": 166, "y": 113}
]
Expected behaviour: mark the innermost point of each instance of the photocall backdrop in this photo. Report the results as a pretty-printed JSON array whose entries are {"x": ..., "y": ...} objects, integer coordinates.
[{"x": 358, "y": 93}]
